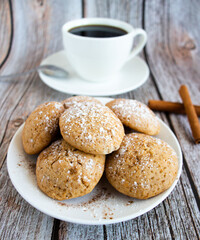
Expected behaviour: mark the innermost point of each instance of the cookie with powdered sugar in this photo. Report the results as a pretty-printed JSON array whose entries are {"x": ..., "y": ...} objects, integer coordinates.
[
  {"x": 135, "y": 115},
  {"x": 64, "y": 172},
  {"x": 92, "y": 128},
  {"x": 142, "y": 167},
  {"x": 77, "y": 100},
  {"x": 41, "y": 127}
]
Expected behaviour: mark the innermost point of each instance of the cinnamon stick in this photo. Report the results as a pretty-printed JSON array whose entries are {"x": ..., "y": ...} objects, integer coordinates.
[
  {"x": 174, "y": 107},
  {"x": 191, "y": 113}
]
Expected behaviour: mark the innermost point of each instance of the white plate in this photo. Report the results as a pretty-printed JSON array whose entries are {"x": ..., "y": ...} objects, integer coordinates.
[
  {"x": 132, "y": 75},
  {"x": 104, "y": 205}
]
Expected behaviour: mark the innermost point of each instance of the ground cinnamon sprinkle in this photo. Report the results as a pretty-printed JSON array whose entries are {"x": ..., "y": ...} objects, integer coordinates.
[{"x": 191, "y": 113}]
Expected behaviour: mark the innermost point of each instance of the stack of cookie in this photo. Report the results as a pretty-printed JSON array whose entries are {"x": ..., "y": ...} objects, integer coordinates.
[{"x": 93, "y": 139}]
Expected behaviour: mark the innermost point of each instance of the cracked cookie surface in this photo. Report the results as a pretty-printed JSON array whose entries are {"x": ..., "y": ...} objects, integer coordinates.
[
  {"x": 91, "y": 127},
  {"x": 64, "y": 172},
  {"x": 143, "y": 167}
]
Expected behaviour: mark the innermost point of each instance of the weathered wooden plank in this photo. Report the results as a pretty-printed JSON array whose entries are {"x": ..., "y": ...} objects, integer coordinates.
[
  {"x": 71, "y": 231},
  {"x": 173, "y": 55},
  {"x": 176, "y": 218},
  {"x": 182, "y": 211},
  {"x": 18, "y": 219},
  {"x": 37, "y": 27},
  {"x": 29, "y": 48},
  {"x": 5, "y": 30}
]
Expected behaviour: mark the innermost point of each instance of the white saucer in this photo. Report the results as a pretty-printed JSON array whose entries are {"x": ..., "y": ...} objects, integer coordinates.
[
  {"x": 104, "y": 205},
  {"x": 132, "y": 75}
]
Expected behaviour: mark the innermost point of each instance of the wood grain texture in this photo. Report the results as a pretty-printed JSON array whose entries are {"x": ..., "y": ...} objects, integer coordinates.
[
  {"x": 35, "y": 35},
  {"x": 5, "y": 30},
  {"x": 18, "y": 219},
  {"x": 70, "y": 231},
  {"x": 170, "y": 220},
  {"x": 26, "y": 54},
  {"x": 161, "y": 222},
  {"x": 173, "y": 54}
]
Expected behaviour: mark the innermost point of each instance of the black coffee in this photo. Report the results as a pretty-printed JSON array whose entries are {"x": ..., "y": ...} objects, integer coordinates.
[{"x": 98, "y": 31}]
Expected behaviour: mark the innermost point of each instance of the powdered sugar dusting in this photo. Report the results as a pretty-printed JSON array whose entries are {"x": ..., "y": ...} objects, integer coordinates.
[
  {"x": 134, "y": 114},
  {"x": 94, "y": 124},
  {"x": 47, "y": 115},
  {"x": 73, "y": 101},
  {"x": 143, "y": 158}
]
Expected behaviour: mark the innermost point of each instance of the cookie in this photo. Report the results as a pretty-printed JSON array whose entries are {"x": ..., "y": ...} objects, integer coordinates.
[
  {"x": 92, "y": 128},
  {"x": 135, "y": 115},
  {"x": 143, "y": 167},
  {"x": 64, "y": 172},
  {"x": 70, "y": 102},
  {"x": 41, "y": 127}
]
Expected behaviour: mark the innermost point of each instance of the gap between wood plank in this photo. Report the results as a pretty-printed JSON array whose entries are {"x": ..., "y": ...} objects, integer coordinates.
[
  {"x": 83, "y": 8},
  {"x": 196, "y": 231},
  {"x": 104, "y": 232},
  {"x": 191, "y": 183},
  {"x": 148, "y": 217},
  {"x": 55, "y": 229},
  {"x": 194, "y": 189},
  {"x": 145, "y": 52},
  {"x": 11, "y": 34},
  {"x": 168, "y": 220},
  {"x": 167, "y": 116}
]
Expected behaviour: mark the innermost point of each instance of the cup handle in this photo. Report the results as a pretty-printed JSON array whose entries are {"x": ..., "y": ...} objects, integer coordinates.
[{"x": 141, "y": 44}]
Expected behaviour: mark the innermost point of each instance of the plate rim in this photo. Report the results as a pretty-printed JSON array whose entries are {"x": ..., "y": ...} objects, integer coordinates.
[
  {"x": 101, "y": 221},
  {"x": 116, "y": 92}
]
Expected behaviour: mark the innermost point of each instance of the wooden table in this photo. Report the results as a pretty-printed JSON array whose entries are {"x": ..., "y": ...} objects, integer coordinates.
[{"x": 30, "y": 31}]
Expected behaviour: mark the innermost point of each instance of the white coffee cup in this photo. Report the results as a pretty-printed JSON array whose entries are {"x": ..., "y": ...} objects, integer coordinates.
[{"x": 99, "y": 59}]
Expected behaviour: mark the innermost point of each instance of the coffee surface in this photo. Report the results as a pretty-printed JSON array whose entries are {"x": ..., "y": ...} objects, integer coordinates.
[{"x": 98, "y": 31}]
